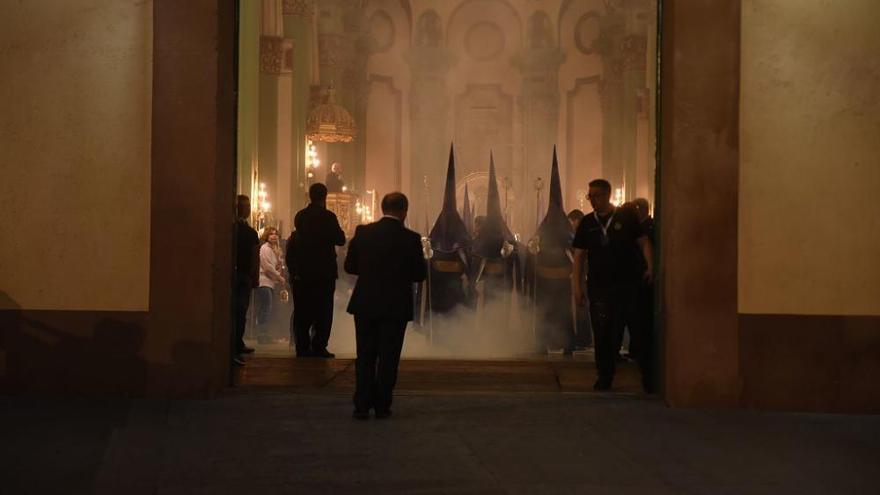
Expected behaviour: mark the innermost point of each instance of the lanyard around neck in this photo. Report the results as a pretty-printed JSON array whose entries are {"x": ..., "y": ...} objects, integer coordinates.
[{"x": 607, "y": 223}]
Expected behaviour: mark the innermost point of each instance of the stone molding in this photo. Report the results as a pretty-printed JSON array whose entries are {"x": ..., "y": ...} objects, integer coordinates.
[
  {"x": 330, "y": 49},
  {"x": 634, "y": 51},
  {"x": 298, "y": 8},
  {"x": 276, "y": 55}
]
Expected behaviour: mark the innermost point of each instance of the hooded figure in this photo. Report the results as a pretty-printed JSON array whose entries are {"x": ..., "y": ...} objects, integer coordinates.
[
  {"x": 494, "y": 246},
  {"x": 467, "y": 213},
  {"x": 450, "y": 243},
  {"x": 548, "y": 273}
]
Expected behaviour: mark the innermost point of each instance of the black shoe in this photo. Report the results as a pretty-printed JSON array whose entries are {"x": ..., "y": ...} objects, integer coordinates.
[
  {"x": 602, "y": 385},
  {"x": 247, "y": 350},
  {"x": 237, "y": 361},
  {"x": 383, "y": 414},
  {"x": 324, "y": 353},
  {"x": 304, "y": 354},
  {"x": 361, "y": 415}
]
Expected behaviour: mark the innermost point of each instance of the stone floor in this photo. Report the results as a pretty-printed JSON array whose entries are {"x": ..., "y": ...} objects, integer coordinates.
[
  {"x": 552, "y": 374},
  {"x": 453, "y": 440}
]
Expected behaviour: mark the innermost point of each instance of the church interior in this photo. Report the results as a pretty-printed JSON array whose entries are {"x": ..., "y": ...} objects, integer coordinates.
[
  {"x": 379, "y": 91},
  {"x": 171, "y": 111},
  {"x": 394, "y": 83},
  {"x": 130, "y": 126}
]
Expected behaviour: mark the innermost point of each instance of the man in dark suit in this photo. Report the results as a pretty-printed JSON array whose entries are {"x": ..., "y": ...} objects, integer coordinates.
[
  {"x": 314, "y": 274},
  {"x": 247, "y": 271},
  {"x": 387, "y": 258}
]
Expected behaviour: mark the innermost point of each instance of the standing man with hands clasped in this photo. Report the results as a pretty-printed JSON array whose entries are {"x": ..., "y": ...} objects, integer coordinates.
[
  {"x": 387, "y": 259},
  {"x": 619, "y": 259},
  {"x": 312, "y": 265}
]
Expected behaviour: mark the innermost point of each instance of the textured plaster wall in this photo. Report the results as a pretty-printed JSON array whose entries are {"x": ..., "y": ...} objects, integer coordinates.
[
  {"x": 809, "y": 220},
  {"x": 75, "y": 154}
]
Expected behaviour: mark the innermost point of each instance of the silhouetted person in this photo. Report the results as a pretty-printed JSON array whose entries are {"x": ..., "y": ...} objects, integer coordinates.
[
  {"x": 548, "y": 273},
  {"x": 314, "y": 274},
  {"x": 479, "y": 222},
  {"x": 247, "y": 267},
  {"x": 643, "y": 348},
  {"x": 387, "y": 259},
  {"x": 610, "y": 240},
  {"x": 334, "y": 181},
  {"x": 450, "y": 242}
]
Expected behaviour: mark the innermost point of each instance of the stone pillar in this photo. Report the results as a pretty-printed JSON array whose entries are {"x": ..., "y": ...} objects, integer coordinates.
[
  {"x": 611, "y": 90},
  {"x": 248, "y": 95},
  {"x": 539, "y": 104},
  {"x": 276, "y": 56},
  {"x": 298, "y": 27},
  {"x": 342, "y": 59},
  {"x": 430, "y": 133},
  {"x": 633, "y": 48},
  {"x": 623, "y": 44}
]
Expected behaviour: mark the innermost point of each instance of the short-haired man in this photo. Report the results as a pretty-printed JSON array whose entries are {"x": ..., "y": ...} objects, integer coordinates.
[
  {"x": 387, "y": 259},
  {"x": 610, "y": 240},
  {"x": 314, "y": 273}
]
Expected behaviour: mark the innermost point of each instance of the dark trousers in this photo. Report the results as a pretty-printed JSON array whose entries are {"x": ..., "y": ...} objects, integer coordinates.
[
  {"x": 379, "y": 342},
  {"x": 242, "y": 302},
  {"x": 555, "y": 322},
  {"x": 312, "y": 307},
  {"x": 263, "y": 298},
  {"x": 641, "y": 332},
  {"x": 610, "y": 310}
]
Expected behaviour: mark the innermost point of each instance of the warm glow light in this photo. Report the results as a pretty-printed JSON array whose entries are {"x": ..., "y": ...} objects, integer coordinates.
[
  {"x": 344, "y": 188},
  {"x": 311, "y": 175},
  {"x": 617, "y": 197}
]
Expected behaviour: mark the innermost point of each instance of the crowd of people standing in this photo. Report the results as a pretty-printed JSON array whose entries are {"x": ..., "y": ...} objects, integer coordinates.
[{"x": 611, "y": 285}]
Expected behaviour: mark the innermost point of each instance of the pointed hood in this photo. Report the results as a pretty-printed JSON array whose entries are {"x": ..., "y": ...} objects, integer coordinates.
[
  {"x": 494, "y": 231},
  {"x": 555, "y": 229},
  {"x": 449, "y": 232},
  {"x": 467, "y": 212}
]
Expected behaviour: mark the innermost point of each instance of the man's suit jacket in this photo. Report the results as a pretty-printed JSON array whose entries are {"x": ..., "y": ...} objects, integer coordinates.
[
  {"x": 312, "y": 251},
  {"x": 387, "y": 258}
]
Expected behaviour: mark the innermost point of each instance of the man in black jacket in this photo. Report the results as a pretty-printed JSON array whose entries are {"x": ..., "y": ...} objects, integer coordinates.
[
  {"x": 247, "y": 272},
  {"x": 313, "y": 272},
  {"x": 387, "y": 258}
]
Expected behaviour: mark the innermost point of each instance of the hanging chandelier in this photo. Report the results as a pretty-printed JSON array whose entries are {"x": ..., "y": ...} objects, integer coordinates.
[{"x": 329, "y": 122}]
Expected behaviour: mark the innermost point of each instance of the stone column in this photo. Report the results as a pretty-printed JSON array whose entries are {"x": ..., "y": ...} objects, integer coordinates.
[
  {"x": 633, "y": 47},
  {"x": 298, "y": 27},
  {"x": 342, "y": 59},
  {"x": 539, "y": 104},
  {"x": 276, "y": 55},
  {"x": 611, "y": 91},
  {"x": 623, "y": 45},
  {"x": 430, "y": 133},
  {"x": 248, "y": 95}
]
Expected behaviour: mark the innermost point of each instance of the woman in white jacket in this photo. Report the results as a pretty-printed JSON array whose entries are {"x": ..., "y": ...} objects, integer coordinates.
[{"x": 271, "y": 277}]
